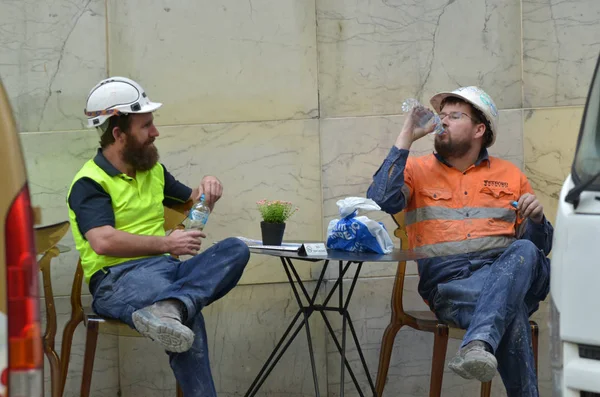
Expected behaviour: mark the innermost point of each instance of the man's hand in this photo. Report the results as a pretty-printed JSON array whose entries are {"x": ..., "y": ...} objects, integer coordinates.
[
  {"x": 212, "y": 189},
  {"x": 184, "y": 242},
  {"x": 530, "y": 207},
  {"x": 410, "y": 132}
]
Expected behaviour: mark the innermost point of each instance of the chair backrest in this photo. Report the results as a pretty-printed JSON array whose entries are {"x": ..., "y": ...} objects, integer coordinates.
[
  {"x": 400, "y": 232},
  {"x": 46, "y": 239},
  {"x": 175, "y": 216}
]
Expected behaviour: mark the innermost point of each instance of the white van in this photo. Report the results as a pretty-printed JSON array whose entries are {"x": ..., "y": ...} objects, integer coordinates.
[{"x": 575, "y": 277}]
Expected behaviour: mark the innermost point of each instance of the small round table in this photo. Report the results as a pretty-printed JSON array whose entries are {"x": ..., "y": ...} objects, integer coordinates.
[{"x": 306, "y": 310}]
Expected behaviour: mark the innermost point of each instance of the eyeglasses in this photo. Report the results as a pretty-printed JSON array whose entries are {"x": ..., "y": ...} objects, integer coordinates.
[{"x": 454, "y": 116}]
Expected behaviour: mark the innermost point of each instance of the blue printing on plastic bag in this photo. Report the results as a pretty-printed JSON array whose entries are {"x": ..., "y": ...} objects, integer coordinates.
[{"x": 351, "y": 235}]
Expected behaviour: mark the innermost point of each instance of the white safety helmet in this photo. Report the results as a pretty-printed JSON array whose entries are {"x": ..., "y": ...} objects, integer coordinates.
[
  {"x": 476, "y": 97},
  {"x": 114, "y": 96}
]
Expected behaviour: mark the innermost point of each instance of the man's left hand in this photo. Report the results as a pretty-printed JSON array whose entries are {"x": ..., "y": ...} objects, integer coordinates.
[
  {"x": 530, "y": 207},
  {"x": 212, "y": 189}
]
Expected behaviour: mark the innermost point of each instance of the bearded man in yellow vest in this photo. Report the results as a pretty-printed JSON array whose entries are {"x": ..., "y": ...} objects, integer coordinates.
[
  {"x": 116, "y": 208},
  {"x": 483, "y": 230}
]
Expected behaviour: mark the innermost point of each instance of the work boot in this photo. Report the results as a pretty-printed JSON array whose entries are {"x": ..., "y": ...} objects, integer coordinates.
[
  {"x": 161, "y": 322},
  {"x": 475, "y": 361}
]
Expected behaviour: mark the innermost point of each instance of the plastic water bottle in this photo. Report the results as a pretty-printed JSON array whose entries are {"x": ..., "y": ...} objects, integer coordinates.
[
  {"x": 426, "y": 116},
  {"x": 198, "y": 215}
]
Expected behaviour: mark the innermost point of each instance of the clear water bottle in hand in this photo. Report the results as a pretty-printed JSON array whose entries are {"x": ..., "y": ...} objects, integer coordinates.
[
  {"x": 424, "y": 116},
  {"x": 198, "y": 216}
]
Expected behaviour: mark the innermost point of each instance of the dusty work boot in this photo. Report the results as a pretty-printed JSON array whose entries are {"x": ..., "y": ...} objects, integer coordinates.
[
  {"x": 161, "y": 322},
  {"x": 475, "y": 361}
]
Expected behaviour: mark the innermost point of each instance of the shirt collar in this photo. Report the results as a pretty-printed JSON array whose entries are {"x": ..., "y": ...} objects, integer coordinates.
[
  {"x": 483, "y": 156},
  {"x": 105, "y": 165}
]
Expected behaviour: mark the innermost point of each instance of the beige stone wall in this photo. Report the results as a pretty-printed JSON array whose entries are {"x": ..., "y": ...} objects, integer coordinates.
[{"x": 296, "y": 100}]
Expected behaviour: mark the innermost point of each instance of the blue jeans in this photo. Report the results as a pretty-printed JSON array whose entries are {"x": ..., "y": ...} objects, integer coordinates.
[
  {"x": 494, "y": 303},
  {"x": 197, "y": 282}
]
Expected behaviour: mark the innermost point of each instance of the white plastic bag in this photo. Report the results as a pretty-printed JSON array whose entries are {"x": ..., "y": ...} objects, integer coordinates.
[{"x": 358, "y": 233}]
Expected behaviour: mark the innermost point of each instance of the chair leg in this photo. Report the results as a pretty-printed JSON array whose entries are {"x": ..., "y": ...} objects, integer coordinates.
[
  {"x": 440, "y": 345},
  {"x": 179, "y": 391},
  {"x": 65, "y": 349},
  {"x": 88, "y": 358},
  {"x": 385, "y": 354},
  {"x": 535, "y": 333},
  {"x": 50, "y": 333},
  {"x": 54, "y": 362},
  {"x": 486, "y": 389}
]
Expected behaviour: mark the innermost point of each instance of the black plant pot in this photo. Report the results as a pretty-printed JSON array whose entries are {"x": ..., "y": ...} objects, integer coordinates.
[{"x": 272, "y": 233}]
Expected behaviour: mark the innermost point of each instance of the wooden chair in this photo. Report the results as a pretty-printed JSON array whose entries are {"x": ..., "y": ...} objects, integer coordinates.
[
  {"x": 95, "y": 324},
  {"x": 46, "y": 240},
  {"x": 424, "y": 321}
]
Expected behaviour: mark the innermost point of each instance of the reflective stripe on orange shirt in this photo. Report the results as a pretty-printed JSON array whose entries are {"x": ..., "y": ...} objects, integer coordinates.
[
  {"x": 465, "y": 246},
  {"x": 444, "y": 213}
]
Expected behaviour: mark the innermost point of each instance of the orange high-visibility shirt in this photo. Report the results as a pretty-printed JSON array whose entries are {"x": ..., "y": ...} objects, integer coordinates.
[{"x": 450, "y": 212}]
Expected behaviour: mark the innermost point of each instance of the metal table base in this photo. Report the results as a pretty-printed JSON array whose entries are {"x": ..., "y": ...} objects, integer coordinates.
[{"x": 304, "y": 313}]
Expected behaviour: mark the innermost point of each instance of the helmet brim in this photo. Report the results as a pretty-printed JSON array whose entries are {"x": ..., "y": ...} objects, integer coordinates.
[{"x": 149, "y": 108}]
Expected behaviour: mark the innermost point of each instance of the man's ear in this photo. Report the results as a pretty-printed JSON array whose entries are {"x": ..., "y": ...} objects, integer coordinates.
[
  {"x": 118, "y": 134},
  {"x": 480, "y": 132}
]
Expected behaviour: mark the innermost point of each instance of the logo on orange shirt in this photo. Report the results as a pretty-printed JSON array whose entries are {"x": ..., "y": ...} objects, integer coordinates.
[{"x": 495, "y": 183}]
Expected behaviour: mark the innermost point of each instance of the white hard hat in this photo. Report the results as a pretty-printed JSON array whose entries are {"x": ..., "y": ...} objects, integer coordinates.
[
  {"x": 114, "y": 96},
  {"x": 476, "y": 97}
]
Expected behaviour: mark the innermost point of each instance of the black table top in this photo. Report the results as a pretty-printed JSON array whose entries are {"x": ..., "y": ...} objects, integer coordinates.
[{"x": 395, "y": 256}]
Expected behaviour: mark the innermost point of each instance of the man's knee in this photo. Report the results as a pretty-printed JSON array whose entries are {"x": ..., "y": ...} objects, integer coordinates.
[
  {"x": 238, "y": 250},
  {"x": 524, "y": 249},
  {"x": 532, "y": 258},
  {"x": 521, "y": 255}
]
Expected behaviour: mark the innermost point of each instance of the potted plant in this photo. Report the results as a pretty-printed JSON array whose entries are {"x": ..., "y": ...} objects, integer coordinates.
[{"x": 274, "y": 214}]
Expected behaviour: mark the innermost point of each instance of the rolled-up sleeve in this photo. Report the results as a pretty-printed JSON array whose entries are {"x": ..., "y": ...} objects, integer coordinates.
[{"x": 391, "y": 187}]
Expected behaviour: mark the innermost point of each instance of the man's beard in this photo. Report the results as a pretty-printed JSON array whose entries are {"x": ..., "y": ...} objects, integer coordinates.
[
  {"x": 448, "y": 149},
  {"x": 141, "y": 156}
]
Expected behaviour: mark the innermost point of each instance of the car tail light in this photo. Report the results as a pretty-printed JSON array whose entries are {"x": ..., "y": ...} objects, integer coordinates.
[{"x": 24, "y": 335}]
